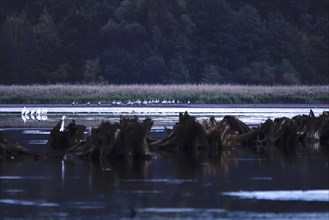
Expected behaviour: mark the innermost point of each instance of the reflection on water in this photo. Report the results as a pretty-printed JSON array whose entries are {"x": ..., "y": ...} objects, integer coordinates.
[{"x": 234, "y": 184}]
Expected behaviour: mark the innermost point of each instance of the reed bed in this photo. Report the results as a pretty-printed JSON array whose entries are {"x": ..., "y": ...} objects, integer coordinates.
[{"x": 201, "y": 93}]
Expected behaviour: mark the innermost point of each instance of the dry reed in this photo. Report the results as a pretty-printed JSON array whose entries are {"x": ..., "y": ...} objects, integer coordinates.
[{"x": 201, "y": 93}]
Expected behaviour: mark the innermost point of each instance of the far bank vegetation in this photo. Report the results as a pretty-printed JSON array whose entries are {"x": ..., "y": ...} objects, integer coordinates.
[{"x": 197, "y": 94}]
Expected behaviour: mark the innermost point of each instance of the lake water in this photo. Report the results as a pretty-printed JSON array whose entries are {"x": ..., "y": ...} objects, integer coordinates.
[{"x": 236, "y": 185}]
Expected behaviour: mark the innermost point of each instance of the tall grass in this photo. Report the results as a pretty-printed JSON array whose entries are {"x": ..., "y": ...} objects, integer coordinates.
[{"x": 201, "y": 93}]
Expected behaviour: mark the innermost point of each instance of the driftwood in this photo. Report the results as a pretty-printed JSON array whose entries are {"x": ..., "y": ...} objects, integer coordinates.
[{"x": 11, "y": 150}]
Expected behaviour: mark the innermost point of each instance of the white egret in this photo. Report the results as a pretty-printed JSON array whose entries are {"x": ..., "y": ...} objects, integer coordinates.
[
  {"x": 24, "y": 110},
  {"x": 27, "y": 117},
  {"x": 62, "y": 124},
  {"x": 38, "y": 116},
  {"x": 23, "y": 118},
  {"x": 44, "y": 111}
]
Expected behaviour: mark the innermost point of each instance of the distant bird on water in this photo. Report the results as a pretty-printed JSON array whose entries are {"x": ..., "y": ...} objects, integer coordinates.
[{"x": 24, "y": 110}]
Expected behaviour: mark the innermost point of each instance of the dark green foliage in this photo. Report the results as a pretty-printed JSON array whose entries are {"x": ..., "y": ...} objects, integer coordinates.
[{"x": 164, "y": 41}]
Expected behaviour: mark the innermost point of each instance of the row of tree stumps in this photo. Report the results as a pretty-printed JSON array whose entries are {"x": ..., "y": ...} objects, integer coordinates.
[{"x": 130, "y": 139}]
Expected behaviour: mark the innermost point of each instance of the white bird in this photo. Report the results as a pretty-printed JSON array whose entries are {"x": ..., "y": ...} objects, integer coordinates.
[
  {"x": 38, "y": 116},
  {"x": 33, "y": 111},
  {"x": 62, "y": 124},
  {"x": 27, "y": 117},
  {"x": 27, "y": 112},
  {"x": 44, "y": 111},
  {"x": 24, "y": 110},
  {"x": 23, "y": 118}
]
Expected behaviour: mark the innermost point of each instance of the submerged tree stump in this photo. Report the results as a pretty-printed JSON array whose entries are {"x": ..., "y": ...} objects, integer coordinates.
[
  {"x": 288, "y": 134},
  {"x": 128, "y": 138},
  {"x": 61, "y": 139},
  {"x": 187, "y": 135},
  {"x": 11, "y": 150},
  {"x": 230, "y": 128},
  {"x": 313, "y": 129}
]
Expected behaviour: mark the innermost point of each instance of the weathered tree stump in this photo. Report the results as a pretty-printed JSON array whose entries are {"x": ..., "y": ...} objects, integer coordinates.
[
  {"x": 62, "y": 139},
  {"x": 187, "y": 136},
  {"x": 130, "y": 138},
  {"x": 313, "y": 129},
  {"x": 288, "y": 134},
  {"x": 230, "y": 128},
  {"x": 11, "y": 150},
  {"x": 115, "y": 141}
]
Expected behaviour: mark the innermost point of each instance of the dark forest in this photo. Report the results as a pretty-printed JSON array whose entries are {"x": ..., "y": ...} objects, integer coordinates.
[{"x": 267, "y": 42}]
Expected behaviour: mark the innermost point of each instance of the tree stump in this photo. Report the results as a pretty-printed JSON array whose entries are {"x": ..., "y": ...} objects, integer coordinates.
[
  {"x": 60, "y": 140},
  {"x": 11, "y": 150}
]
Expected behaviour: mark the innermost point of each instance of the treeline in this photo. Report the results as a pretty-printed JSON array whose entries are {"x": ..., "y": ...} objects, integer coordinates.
[{"x": 164, "y": 41}]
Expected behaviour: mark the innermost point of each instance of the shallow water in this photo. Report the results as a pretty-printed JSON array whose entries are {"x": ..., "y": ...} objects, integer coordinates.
[
  {"x": 234, "y": 185},
  {"x": 10, "y": 115}
]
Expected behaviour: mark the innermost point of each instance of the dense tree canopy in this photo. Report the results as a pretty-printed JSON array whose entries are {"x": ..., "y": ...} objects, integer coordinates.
[{"x": 164, "y": 41}]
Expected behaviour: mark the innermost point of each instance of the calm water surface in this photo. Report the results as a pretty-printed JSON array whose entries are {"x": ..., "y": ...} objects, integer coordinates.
[{"x": 235, "y": 185}]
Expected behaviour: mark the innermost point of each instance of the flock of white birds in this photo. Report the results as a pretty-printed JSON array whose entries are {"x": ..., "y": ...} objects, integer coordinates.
[
  {"x": 140, "y": 102},
  {"x": 39, "y": 114}
]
